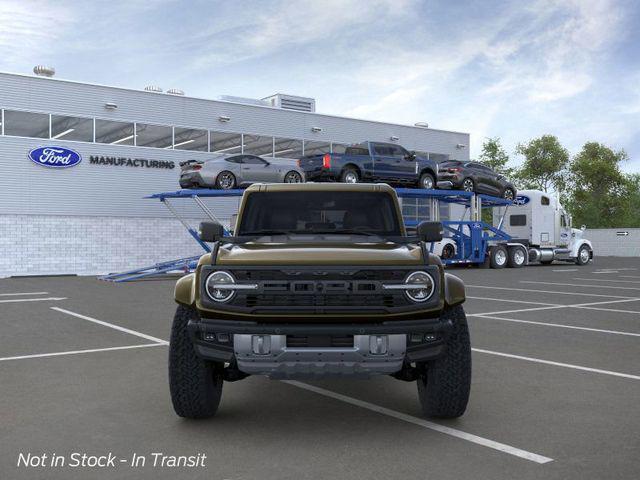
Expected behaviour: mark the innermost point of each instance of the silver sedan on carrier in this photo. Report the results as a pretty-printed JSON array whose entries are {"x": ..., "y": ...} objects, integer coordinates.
[{"x": 234, "y": 171}]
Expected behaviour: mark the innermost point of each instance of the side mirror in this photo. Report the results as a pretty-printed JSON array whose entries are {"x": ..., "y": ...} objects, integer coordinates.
[
  {"x": 410, "y": 156},
  {"x": 430, "y": 231},
  {"x": 210, "y": 231}
]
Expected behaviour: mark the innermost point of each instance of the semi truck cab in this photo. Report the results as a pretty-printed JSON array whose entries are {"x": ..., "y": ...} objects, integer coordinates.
[{"x": 538, "y": 221}]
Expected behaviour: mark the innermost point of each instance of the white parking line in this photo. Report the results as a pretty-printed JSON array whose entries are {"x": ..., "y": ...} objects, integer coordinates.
[
  {"x": 549, "y": 291},
  {"x": 605, "y": 280},
  {"x": 77, "y": 352},
  {"x": 566, "y": 270},
  {"x": 19, "y": 300},
  {"x": 629, "y": 276},
  {"x": 581, "y": 285},
  {"x": 512, "y": 301},
  {"x": 551, "y": 306},
  {"x": 558, "y": 325},
  {"x": 558, "y": 364},
  {"x": 26, "y": 293},
  {"x": 111, "y": 325},
  {"x": 485, "y": 442}
]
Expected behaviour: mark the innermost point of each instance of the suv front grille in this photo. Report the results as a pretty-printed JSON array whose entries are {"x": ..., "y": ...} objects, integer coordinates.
[{"x": 328, "y": 300}]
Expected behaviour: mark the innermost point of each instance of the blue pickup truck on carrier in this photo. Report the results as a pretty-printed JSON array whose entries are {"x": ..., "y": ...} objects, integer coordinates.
[{"x": 372, "y": 162}]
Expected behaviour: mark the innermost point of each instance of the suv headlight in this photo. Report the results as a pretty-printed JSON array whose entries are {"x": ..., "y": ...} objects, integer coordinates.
[
  {"x": 424, "y": 286},
  {"x": 215, "y": 286}
]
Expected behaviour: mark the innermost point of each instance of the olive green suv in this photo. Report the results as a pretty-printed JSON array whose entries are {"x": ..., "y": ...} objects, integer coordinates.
[{"x": 319, "y": 280}]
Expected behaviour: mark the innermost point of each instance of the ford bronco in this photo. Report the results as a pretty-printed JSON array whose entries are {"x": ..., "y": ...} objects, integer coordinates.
[{"x": 319, "y": 280}]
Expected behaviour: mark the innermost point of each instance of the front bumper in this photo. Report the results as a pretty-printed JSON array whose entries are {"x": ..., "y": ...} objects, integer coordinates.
[{"x": 234, "y": 341}]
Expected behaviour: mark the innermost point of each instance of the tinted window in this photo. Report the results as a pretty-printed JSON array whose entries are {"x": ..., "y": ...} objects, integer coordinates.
[
  {"x": 26, "y": 124},
  {"x": 157, "y": 136},
  {"x": 190, "y": 139},
  {"x": 383, "y": 150},
  {"x": 257, "y": 145},
  {"x": 518, "y": 220},
  {"x": 338, "y": 148},
  {"x": 544, "y": 201},
  {"x": 252, "y": 160},
  {"x": 287, "y": 148},
  {"x": 237, "y": 159},
  {"x": 316, "y": 148},
  {"x": 309, "y": 212},
  {"x": 71, "y": 128},
  {"x": 115, "y": 133},
  {"x": 228, "y": 143},
  {"x": 357, "y": 151}
]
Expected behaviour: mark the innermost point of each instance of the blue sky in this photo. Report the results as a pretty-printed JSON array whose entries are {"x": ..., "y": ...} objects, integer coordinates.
[{"x": 515, "y": 69}]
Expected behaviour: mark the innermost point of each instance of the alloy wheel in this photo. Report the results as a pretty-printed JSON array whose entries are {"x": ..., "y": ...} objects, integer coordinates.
[{"x": 293, "y": 177}]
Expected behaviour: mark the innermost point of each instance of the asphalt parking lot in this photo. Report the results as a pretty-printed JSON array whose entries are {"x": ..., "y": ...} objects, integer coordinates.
[{"x": 555, "y": 394}]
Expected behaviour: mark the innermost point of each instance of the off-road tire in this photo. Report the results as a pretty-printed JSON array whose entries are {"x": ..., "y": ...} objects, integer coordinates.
[
  {"x": 496, "y": 258},
  {"x": 445, "y": 383},
  {"x": 195, "y": 384},
  {"x": 347, "y": 172},
  {"x": 512, "y": 261},
  {"x": 424, "y": 178}
]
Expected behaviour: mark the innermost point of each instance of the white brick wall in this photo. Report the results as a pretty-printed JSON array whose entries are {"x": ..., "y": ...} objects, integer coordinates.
[
  {"x": 46, "y": 245},
  {"x": 608, "y": 242}
]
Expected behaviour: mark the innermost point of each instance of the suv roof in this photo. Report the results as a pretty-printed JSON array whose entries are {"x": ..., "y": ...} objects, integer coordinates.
[{"x": 320, "y": 187}]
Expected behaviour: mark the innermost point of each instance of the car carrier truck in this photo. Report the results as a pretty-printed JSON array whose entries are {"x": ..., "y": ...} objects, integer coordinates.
[{"x": 540, "y": 231}]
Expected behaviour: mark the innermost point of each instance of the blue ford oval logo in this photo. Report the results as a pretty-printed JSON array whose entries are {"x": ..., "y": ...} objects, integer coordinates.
[
  {"x": 55, "y": 157},
  {"x": 521, "y": 200}
]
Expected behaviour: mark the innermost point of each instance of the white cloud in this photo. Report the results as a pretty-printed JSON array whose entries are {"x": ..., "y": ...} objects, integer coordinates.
[{"x": 30, "y": 29}]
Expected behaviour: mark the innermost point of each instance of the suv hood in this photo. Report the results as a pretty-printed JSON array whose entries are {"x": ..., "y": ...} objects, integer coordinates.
[{"x": 319, "y": 253}]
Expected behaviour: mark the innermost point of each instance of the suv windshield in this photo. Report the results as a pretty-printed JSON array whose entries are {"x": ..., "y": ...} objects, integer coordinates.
[{"x": 319, "y": 212}]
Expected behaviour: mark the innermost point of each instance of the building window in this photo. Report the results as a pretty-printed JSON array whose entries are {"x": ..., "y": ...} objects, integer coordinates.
[
  {"x": 71, "y": 128},
  {"x": 225, "y": 143},
  {"x": 190, "y": 139},
  {"x": 115, "y": 133},
  {"x": 157, "y": 136},
  {"x": 258, "y": 145},
  {"x": 26, "y": 124},
  {"x": 287, "y": 148},
  {"x": 338, "y": 148},
  {"x": 316, "y": 148}
]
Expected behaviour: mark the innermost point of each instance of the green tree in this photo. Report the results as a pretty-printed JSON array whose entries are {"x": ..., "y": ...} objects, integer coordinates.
[
  {"x": 494, "y": 156},
  {"x": 599, "y": 193},
  {"x": 545, "y": 164}
]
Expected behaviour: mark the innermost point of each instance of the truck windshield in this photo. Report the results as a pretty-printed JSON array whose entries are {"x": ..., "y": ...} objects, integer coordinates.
[{"x": 306, "y": 212}]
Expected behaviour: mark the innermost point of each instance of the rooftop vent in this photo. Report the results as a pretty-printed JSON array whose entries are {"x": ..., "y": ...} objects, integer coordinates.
[
  {"x": 291, "y": 102},
  {"x": 175, "y": 91},
  {"x": 44, "y": 71},
  {"x": 153, "y": 88}
]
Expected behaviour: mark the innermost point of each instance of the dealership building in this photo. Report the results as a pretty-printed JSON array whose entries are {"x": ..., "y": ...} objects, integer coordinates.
[{"x": 92, "y": 217}]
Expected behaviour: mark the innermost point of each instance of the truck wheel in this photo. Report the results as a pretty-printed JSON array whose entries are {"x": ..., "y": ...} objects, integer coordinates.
[
  {"x": 499, "y": 257},
  {"x": 444, "y": 384},
  {"x": 195, "y": 384},
  {"x": 427, "y": 181},
  {"x": 349, "y": 175},
  {"x": 517, "y": 257},
  {"x": 584, "y": 255}
]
